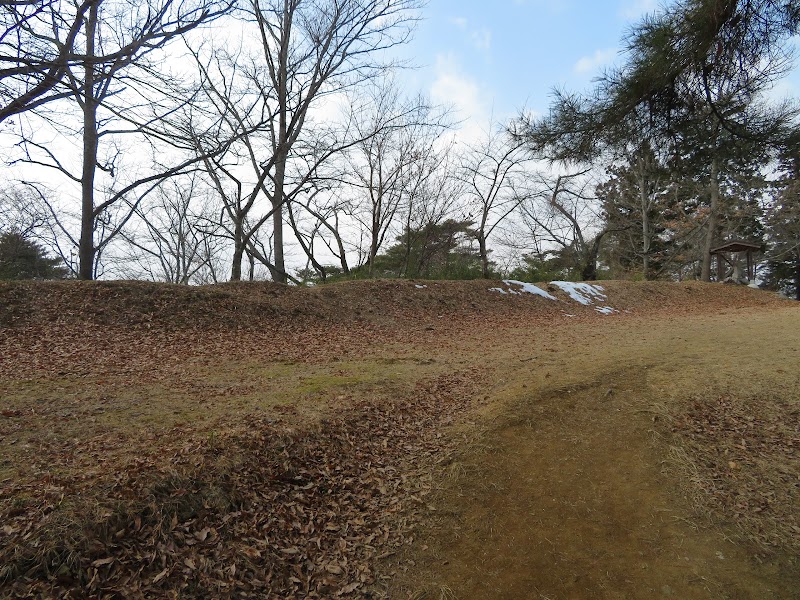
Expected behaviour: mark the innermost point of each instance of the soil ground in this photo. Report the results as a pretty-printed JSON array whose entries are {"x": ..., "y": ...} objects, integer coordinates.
[
  {"x": 383, "y": 439},
  {"x": 575, "y": 486}
]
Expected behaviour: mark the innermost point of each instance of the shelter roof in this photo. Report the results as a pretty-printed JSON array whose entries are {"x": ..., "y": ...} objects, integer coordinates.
[{"x": 736, "y": 246}]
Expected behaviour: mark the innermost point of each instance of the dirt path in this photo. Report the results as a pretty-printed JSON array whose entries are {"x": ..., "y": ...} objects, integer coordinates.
[{"x": 569, "y": 490}]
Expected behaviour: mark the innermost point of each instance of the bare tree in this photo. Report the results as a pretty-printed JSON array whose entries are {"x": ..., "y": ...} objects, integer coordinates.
[
  {"x": 21, "y": 212},
  {"x": 113, "y": 80},
  {"x": 327, "y": 215},
  {"x": 493, "y": 170},
  {"x": 239, "y": 114},
  {"x": 433, "y": 197},
  {"x": 307, "y": 51},
  {"x": 386, "y": 169},
  {"x": 311, "y": 49},
  {"x": 173, "y": 241},
  {"x": 563, "y": 216},
  {"x": 393, "y": 178}
]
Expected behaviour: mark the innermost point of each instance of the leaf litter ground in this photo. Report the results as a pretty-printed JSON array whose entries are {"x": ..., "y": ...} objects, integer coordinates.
[{"x": 247, "y": 441}]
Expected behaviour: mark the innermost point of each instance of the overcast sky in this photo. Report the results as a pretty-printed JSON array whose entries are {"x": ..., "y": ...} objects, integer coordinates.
[{"x": 495, "y": 57}]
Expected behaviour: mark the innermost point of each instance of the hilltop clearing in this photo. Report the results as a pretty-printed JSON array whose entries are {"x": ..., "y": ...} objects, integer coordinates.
[{"x": 383, "y": 438}]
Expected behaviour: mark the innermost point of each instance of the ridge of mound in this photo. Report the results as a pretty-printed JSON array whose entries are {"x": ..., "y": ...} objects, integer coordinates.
[
  {"x": 261, "y": 440},
  {"x": 244, "y": 304}
]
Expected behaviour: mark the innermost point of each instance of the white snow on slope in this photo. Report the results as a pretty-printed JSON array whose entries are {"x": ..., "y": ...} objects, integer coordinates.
[
  {"x": 526, "y": 288},
  {"x": 585, "y": 293}
]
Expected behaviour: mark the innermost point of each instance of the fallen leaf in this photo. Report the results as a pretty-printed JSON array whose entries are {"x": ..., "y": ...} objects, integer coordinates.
[
  {"x": 160, "y": 576},
  {"x": 103, "y": 561}
]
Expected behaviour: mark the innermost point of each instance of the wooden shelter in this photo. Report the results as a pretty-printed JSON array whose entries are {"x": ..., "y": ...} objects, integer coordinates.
[{"x": 729, "y": 253}]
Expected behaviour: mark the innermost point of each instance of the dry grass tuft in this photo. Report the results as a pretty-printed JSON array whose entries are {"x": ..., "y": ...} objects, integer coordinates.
[
  {"x": 439, "y": 593},
  {"x": 741, "y": 457}
]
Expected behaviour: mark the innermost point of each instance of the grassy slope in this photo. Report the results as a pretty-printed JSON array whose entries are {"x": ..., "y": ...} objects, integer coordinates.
[
  {"x": 138, "y": 416},
  {"x": 649, "y": 457}
]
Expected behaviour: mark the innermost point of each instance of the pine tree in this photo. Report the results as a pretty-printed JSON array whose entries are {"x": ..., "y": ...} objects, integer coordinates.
[
  {"x": 783, "y": 229},
  {"x": 21, "y": 258},
  {"x": 436, "y": 251},
  {"x": 691, "y": 87}
]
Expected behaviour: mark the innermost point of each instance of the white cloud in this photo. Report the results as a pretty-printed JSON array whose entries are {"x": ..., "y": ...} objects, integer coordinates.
[
  {"x": 635, "y": 9},
  {"x": 481, "y": 39},
  {"x": 453, "y": 87},
  {"x": 600, "y": 58}
]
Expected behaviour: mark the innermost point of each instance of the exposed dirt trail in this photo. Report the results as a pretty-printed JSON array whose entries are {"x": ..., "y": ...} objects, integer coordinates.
[{"x": 569, "y": 492}]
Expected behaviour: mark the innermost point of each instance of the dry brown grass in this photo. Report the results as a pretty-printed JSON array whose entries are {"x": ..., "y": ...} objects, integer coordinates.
[
  {"x": 568, "y": 485},
  {"x": 277, "y": 507},
  {"x": 137, "y": 417},
  {"x": 741, "y": 457}
]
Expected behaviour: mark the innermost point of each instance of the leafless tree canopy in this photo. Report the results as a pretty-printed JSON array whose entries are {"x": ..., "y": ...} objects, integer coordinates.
[
  {"x": 200, "y": 140},
  {"x": 41, "y": 41}
]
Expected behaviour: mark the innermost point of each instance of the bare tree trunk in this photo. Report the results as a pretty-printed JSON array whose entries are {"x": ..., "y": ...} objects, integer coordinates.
[
  {"x": 238, "y": 251},
  {"x": 281, "y": 152},
  {"x": 406, "y": 266},
  {"x": 589, "y": 272},
  {"x": 340, "y": 245},
  {"x": 484, "y": 255},
  {"x": 645, "y": 206},
  {"x": 373, "y": 252},
  {"x": 593, "y": 251},
  {"x": 705, "y": 272},
  {"x": 375, "y": 234},
  {"x": 279, "y": 272},
  {"x": 86, "y": 249},
  {"x": 797, "y": 277}
]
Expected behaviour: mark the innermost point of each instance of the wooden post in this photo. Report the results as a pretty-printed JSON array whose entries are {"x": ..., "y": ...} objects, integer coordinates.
[{"x": 720, "y": 267}]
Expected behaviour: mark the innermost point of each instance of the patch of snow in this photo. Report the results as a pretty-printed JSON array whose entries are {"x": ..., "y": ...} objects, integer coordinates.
[
  {"x": 527, "y": 288},
  {"x": 585, "y": 293},
  {"x": 420, "y": 287}
]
